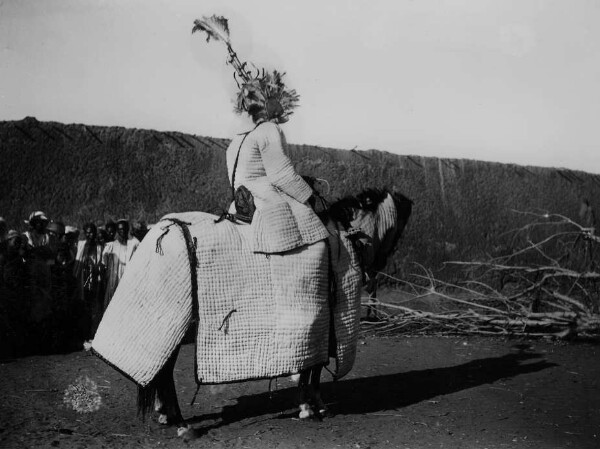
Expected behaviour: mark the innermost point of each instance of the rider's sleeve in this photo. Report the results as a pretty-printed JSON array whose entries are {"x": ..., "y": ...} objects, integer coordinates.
[{"x": 279, "y": 168}]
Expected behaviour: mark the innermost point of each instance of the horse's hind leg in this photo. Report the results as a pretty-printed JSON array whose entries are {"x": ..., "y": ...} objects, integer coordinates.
[{"x": 166, "y": 403}]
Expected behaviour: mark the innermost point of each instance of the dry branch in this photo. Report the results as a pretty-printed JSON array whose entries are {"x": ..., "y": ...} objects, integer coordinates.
[{"x": 553, "y": 290}]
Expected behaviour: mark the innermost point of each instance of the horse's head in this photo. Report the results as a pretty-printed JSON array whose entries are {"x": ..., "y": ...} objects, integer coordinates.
[{"x": 381, "y": 215}]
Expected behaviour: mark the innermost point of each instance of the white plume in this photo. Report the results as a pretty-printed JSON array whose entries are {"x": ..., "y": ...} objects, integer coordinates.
[{"x": 216, "y": 27}]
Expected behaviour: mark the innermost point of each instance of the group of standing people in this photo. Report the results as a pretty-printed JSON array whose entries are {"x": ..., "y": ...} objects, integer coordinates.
[
  {"x": 56, "y": 282},
  {"x": 99, "y": 265}
]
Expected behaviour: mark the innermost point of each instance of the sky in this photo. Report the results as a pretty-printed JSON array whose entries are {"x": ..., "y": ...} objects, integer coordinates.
[{"x": 512, "y": 81}]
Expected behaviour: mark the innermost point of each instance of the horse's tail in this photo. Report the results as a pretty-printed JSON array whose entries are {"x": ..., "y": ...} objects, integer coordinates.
[
  {"x": 146, "y": 397},
  {"x": 162, "y": 387}
]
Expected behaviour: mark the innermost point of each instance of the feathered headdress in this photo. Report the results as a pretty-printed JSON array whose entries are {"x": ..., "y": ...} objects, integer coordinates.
[{"x": 260, "y": 90}]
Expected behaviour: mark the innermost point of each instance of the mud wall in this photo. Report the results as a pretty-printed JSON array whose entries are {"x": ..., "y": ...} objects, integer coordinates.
[{"x": 463, "y": 209}]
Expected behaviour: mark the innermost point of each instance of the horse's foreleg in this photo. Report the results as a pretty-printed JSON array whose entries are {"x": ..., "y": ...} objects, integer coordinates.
[
  {"x": 315, "y": 384},
  {"x": 304, "y": 394},
  {"x": 309, "y": 387},
  {"x": 371, "y": 289}
]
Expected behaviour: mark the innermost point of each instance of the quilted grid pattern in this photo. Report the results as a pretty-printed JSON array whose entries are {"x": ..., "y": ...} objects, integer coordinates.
[
  {"x": 283, "y": 225},
  {"x": 282, "y": 221},
  {"x": 346, "y": 310},
  {"x": 150, "y": 310},
  {"x": 260, "y": 315}
]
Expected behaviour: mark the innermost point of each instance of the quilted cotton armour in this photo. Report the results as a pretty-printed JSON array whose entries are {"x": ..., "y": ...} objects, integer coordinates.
[
  {"x": 282, "y": 220},
  {"x": 258, "y": 316}
]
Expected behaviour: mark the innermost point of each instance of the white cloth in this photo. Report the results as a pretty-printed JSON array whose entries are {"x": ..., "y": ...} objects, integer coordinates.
[
  {"x": 85, "y": 258},
  {"x": 115, "y": 258},
  {"x": 95, "y": 258},
  {"x": 282, "y": 220}
]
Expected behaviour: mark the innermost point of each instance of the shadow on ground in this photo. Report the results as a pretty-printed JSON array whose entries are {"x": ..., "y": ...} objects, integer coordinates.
[{"x": 385, "y": 392}]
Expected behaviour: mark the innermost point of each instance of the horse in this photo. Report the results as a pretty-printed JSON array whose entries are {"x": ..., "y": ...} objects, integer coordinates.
[
  {"x": 156, "y": 302},
  {"x": 384, "y": 223}
]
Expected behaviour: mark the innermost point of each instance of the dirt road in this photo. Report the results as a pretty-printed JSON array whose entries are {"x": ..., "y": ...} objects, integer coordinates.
[{"x": 420, "y": 392}]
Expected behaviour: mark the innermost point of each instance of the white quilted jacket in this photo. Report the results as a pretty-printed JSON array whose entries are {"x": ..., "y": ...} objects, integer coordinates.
[{"x": 282, "y": 220}]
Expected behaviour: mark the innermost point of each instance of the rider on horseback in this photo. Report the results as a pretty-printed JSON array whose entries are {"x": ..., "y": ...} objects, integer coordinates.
[
  {"x": 257, "y": 160},
  {"x": 266, "y": 189}
]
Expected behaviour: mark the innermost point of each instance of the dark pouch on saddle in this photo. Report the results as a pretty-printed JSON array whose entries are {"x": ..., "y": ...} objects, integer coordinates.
[
  {"x": 242, "y": 197},
  {"x": 244, "y": 204}
]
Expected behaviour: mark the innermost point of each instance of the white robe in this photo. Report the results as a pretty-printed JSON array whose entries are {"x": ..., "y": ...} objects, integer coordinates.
[
  {"x": 282, "y": 221},
  {"x": 115, "y": 258}
]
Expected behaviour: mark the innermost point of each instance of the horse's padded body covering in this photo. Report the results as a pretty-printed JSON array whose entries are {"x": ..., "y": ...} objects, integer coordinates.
[{"x": 259, "y": 316}]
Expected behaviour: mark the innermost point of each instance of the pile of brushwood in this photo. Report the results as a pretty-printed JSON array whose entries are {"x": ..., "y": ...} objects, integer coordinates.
[{"x": 548, "y": 285}]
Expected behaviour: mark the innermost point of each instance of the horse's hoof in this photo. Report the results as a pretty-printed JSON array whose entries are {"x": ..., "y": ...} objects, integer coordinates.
[
  {"x": 162, "y": 419},
  {"x": 324, "y": 413},
  {"x": 305, "y": 411},
  {"x": 183, "y": 431},
  {"x": 187, "y": 433}
]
